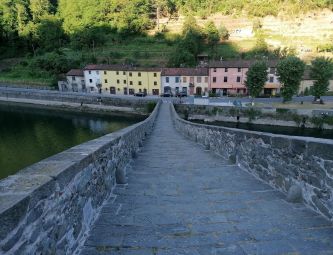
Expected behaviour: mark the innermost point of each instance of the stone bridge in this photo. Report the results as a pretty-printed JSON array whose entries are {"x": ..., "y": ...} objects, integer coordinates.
[{"x": 219, "y": 192}]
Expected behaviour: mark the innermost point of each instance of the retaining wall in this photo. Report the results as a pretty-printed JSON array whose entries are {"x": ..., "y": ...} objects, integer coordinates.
[
  {"x": 303, "y": 163},
  {"x": 86, "y": 98},
  {"x": 47, "y": 208}
]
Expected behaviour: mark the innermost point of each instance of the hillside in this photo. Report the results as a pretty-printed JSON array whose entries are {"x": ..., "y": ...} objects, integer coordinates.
[{"x": 41, "y": 39}]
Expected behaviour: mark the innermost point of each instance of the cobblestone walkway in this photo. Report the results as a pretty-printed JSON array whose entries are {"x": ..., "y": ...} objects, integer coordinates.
[{"x": 181, "y": 199}]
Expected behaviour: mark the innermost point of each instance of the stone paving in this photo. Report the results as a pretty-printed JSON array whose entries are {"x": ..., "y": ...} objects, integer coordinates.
[{"x": 181, "y": 199}]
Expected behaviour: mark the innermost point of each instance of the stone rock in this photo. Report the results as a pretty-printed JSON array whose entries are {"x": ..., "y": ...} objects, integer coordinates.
[
  {"x": 120, "y": 176},
  {"x": 295, "y": 194}
]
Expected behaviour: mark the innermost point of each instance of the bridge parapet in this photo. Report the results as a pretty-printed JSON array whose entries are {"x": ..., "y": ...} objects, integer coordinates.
[
  {"x": 48, "y": 208},
  {"x": 284, "y": 162}
]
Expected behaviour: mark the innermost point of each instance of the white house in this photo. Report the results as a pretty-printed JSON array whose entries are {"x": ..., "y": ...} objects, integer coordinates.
[
  {"x": 92, "y": 76},
  {"x": 189, "y": 80},
  {"x": 74, "y": 82}
]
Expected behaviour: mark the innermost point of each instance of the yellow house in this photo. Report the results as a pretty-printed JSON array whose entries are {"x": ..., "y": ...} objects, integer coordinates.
[{"x": 127, "y": 80}]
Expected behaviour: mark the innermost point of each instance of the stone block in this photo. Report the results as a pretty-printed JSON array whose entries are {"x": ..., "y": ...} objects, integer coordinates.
[{"x": 295, "y": 194}]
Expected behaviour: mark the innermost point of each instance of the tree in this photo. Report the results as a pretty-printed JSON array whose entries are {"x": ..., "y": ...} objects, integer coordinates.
[
  {"x": 257, "y": 76},
  {"x": 49, "y": 34},
  {"x": 192, "y": 36},
  {"x": 290, "y": 71},
  {"x": 223, "y": 32},
  {"x": 39, "y": 8},
  {"x": 181, "y": 57},
  {"x": 212, "y": 35},
  {"x": 321, "y": 72}
]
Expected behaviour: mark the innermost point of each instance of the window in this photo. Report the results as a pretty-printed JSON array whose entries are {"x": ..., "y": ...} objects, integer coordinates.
[
  {"x": 184, "y": 79},
  {"x": 155, "y": 74},
  {"x": 272, "y": 70},
  {"x": 89, "y": 72},
  {"x": 104, "y": 72},
  {"x": 271, "y": 79},
  {"x": 198, "y": 79},
  {"x": 206, "y": 79},
  {"x": 124, "y": 81},
  {"x": 226, "y": 70},
  {"x": 97, "y": 72},
  {"x": 155, "y": 83},
  {"x": 238, "y": 78},
  {"x": 73, "y": 78},
  {"x": 92, "y": 89},
  {"x": 225, "y": 79},
  {"x": 177, "y": 79},
  {"x": 130, "y": 74},
  {"x": 124, "y": 73},
  {"x": 191, "y": 79},
  {"x": 140, "y": 83},
  {"x": 106, "y": 81},
  {"x": 90, "y": 80},
  {"x": 139, "y": 74},
  {"x": 167, "y": 79},
  {"x": 117, "y": 73},
  {"x": 131, "y": 82},
  {"x": 118, "y": 81},
  {"x": 239, "y": 69},
  {"x": 214, "y": 70},
  {"x": 214, "y": 79}
]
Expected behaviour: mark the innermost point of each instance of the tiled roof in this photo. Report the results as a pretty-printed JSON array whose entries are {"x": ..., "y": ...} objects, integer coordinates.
[
  {"x": 75, "y": 72},
  {"x": 185, "y": 71},
  {"x": 239, "y": 63},
  {"x": 121, "y": 68}
]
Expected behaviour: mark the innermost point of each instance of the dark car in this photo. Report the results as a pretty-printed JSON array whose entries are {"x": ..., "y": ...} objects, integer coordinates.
[
  {"x": 140, "y": 94},
  {"x": 182, "y": 94},
  {"x": 167, "y": 94}
]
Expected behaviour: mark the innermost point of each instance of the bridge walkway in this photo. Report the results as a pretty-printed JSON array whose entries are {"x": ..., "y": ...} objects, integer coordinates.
[{"x": 181, "y": 199}]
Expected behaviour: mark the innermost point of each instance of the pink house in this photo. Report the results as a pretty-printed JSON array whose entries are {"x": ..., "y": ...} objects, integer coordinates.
[{"x": 228, "y": 77}]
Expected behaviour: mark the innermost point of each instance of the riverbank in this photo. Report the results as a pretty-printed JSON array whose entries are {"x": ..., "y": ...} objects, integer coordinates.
[{"x": 71, "y": 106}]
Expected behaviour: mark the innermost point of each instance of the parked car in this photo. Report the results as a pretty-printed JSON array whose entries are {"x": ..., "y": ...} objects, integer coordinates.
[
  {"x": 140, "y": 94},
  {"x": 167, "y": 94},
  {"x": 181, "y": 94}
]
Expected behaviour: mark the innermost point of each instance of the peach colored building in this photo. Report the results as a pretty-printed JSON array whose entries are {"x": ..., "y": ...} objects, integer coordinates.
[{"x": 228, "y": 77}]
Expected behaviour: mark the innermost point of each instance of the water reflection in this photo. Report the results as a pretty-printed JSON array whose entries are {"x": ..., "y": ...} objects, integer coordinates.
[{"x": 29, "y": 135}]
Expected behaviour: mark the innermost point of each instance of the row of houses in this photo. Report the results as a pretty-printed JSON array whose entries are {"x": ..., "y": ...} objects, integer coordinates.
[{"x": 221, "y": 77}]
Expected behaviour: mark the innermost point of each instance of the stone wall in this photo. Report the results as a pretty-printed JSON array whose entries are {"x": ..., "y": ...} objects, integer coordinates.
[
  {"x": 285, "y": 162},
  {"x": 47, "y": 208},
  {"x": 86, "y": 98},
  {"x": 26, "y": 86},
  {"x": 256, "y": 115}
]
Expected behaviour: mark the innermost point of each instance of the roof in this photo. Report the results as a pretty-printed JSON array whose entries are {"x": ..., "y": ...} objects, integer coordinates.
[
  {"x": 121, "y": 68},
  {"x": 185, "y": 71},
  {"x": 75, "y": 72},
  {"x": 239, "y": 63}
]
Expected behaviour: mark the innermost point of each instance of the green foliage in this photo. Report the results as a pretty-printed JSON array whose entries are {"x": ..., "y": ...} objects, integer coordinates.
[
  {"x": 263, "y": 8},
  {"x": 284, "y": 52},
  {"x": 212, "y": 34},
  {"x": 223, "y": 32},
  {"x": 290, "y": 71},
  {"x": 188, "y": 46},
  {"x": 318, "y": 122},
  {"x": 256, "y": 78},
  {"x": 321, "y": 73},
  {"x": 252, "y": 113}
]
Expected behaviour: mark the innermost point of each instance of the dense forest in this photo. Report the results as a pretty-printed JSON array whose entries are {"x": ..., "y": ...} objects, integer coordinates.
[{"x": 41, "y": 30}]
